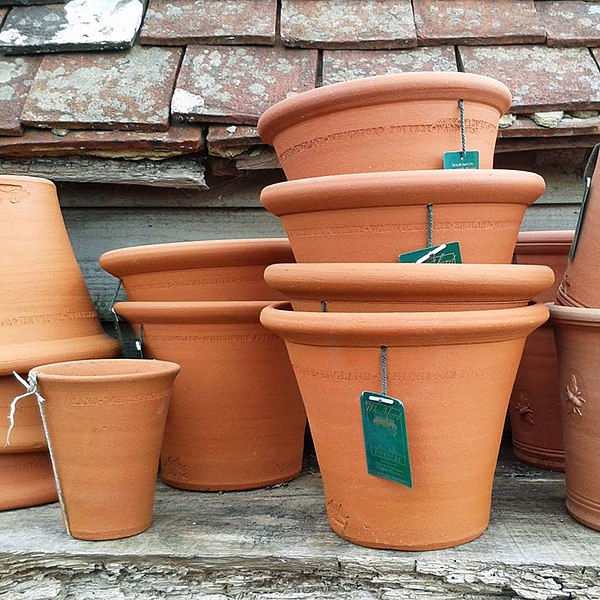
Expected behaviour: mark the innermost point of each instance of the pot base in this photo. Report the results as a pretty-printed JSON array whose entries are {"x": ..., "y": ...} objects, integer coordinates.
[
  {"x": 541, "y": 458},
  {"x": 584, "y": 510},
  {"x": 229, "y": 487},
  {"x": 109, "y": 535}
]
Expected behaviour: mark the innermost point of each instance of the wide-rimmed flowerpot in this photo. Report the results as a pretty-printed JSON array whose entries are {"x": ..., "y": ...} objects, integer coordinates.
[
  {"x": 577, "y": 333},
  {"x": 374, "y": 217},
  {"x": 105, "y": 422},
  {"x": 26, "y": 479},
  {"x": 453, "y": 373},
  {"x": 386, "y": 287},
  {"x": 535, "y": 406},
  {"x": 236, "y": 420},
  {"x": 385, "y": 123},
  {"x": 46, "y": 313},
  {"x": 198, "y": 271}
]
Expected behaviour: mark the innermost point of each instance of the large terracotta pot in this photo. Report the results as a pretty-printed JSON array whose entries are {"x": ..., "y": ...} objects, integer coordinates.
[
  {"x": 236, "y": 421},
  {"x": 577, "y": 332},
  {"x": 46, "y": 313},
  {"x": 534, "y": 409},
  {"x": 26, "y": 479},
  {"x": 387, "y": 287},
  {"x": 207, "y": 270},
  {"x": 385, "y": 123},
  {"x": 105, "y": 422},
  {"x": 374, "y": 217},
  {"x": 452, "y": 371}
]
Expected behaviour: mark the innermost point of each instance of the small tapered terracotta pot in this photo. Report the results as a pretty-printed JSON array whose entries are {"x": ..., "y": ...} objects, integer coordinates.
[
  {"x": 535, "y": 406},
  {"x": 577, "y": 332},
  {"x": 26, "y": 479},
  {"x": 374, "y": 217},
  {"x": 236, "y": 420},
  {"x": 386, "y": 123},
  {"x": 46, "y": 313},
  {"x": 452, "y": 371},
  {"x": 105, "y": 422},
  {"x": 387, "y": 287},
  {"x": 198, "y": 271}
]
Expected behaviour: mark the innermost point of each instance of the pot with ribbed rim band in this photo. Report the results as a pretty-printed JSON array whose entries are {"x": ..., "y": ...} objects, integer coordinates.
[{"x": 452, "y": 371}]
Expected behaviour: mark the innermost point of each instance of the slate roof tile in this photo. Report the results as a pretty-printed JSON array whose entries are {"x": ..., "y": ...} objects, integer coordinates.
[
  {"x": 210, "y": 21},
  {"x": 348, "y": 23},
  {"x": 570, "y": 22},
  {"x": 16, "y": 77},
  {"x": 29, "y": 2},
  {"x": 569, "y": 126},
  {"x": 227, "y": 136}
]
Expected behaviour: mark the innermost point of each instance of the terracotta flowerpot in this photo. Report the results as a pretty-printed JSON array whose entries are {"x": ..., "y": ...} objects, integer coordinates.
[
  {"x": 387, "y": 287},
  {"x": 386, "y": 123},
  {"x": 236, "y": 420},
  {"x": 374, "y": 217},
  {"x": 535, "y": 405},
  {"x": 452, "y": 371},
  {"x": 577, "y": 332},
  {"x": 46, "y": 313},
  {"x": 105, "y": 421},
  {"x": 190, "y": 271},
  {"x": 26, "y": 479}
]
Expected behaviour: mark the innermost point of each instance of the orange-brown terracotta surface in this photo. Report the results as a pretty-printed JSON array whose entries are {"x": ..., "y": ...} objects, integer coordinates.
[
  {"x": 386, "y": 123},
  {"x": 236, "y": 420},
  {"x": 192, "y": 271},
  {"x": 383, "y": 287},
  {"x": 46, "y": 313},
  {"x": 374, "y": 217},
  {"x": 452, "y": 371},
  {"x": 106, "y": 421}
]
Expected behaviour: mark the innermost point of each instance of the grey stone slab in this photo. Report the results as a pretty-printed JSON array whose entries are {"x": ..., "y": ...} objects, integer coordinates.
[
  {"x": 76, "y": 25},
  {"x": 29, "y": 2},
  {"x": 16, "y": 77}
]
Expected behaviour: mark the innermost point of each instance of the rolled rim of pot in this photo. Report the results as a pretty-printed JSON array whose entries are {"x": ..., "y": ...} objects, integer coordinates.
[
  {"x": 190, "y": 255},
  {"x": 17, "y": 179},
  {"x": 192, "y": 312},
  {"x": 381, "y": 282},
  {"x": 574, "y": 314},
  {"x": 369, "y": 330},
  {"x": 382, "y": 89},
  {"x": 402, "y": 188},
  {"x": 544, "y": 242}
]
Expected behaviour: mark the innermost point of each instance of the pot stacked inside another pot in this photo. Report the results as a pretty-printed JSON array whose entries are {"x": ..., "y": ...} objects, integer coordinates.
[
  {"x": 407, "y": 320},
  {"x": 236, "y": 419}
]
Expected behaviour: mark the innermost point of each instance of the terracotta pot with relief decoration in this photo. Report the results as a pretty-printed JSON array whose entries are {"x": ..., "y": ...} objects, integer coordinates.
[
  {"x": 198, "y": 271},
  {"x": 236, "y": 420},
  {"x": 577, "y": 333},
  {"x": 385, "y": 123},
  {"x": 535, "y": 406},
  {"x": 105, "y": 422},
  {"x": 453, "y": 372},
  {"x": 374, "y": 217}
]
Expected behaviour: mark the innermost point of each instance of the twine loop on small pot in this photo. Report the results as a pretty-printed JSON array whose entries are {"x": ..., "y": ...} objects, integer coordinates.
[
  {"x": 384, "y": 350},
  {"x": 139, "y": 341},
  {"x": 114, "y": 314},
  {"x": 463, "y": 131}
]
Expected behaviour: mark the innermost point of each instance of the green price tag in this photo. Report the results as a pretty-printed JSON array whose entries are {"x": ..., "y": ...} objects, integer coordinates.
[
  {"x": 386, "y": 443},
  {"x": 586, "y": 195},
  {"x": 461, "y": 160},
  {"x": 443, "y": 253}
]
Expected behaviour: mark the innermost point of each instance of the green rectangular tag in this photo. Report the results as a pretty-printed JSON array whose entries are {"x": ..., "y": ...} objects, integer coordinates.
[
  {"x": 586, "y": 195},
  {"x": 386, "y": 443},
  {"x": 461, "y": 160},
  {"x": 443, "y": 253}
]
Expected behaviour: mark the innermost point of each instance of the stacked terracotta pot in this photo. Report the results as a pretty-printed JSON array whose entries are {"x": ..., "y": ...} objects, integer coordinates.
[
  {"x": 405, "y": 369},
  {"x": 46, "y": 315},
  {"x": 236, "y": 419},
  {"x": 576, "y": 320}
]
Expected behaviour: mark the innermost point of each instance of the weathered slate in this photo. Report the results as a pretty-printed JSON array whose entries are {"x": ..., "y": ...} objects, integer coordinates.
[
  {"x": 29, "y": 2},
  {"x": 570, "y": 22},
  {"x": 76, "y": 25},
  {"x": 215, "y": 22},
  {"x": 224, "y": 136},
  {"x": 348, "y": 23},
  {"x": 16, "y": 77},
  {"x": 104, "y": 90},
  {"x": 175, "y": 172},
  {"x": 546, "y": 143},
  {"x": 569, "y": 126},
  {"x": 260, "y": 158}
]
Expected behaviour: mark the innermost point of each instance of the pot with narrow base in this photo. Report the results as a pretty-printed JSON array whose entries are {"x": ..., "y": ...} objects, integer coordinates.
[
  {"x": 236, "y": 420},
  {"x": 452, "y": 371},
  {"x": 105, "y": 421}
]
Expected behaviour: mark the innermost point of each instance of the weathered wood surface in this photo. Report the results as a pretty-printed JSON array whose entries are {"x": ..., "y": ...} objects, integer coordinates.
[{"x": 276, "y": 543}]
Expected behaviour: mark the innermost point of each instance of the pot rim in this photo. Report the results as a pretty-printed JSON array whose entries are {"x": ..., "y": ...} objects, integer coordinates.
[
  {"x": 6, "y": 179},
  {"x": 402, "y": 188},
  {"x": 574, "y": 314},
  {"x": 409, "y": 282},
  {"x": 544, "y": 242},
  {"x": 382, "y": 89},
  {"x": 192, "y": 312},
  {"x": 178, "y": 256},
  {"x": 141, "y": 369},
  {"x": 366, "y": 330}
]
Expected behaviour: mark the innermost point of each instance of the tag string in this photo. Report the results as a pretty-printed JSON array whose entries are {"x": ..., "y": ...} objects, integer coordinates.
[
  {"x": 463, "y": 131},
  {"x": 384, "y": 370},
  {"x": 115, "y": 315},
  {"x": 430, "y": 225},
  {"x": 31, "y": 387},
  {"x": 323, "y": 306},
  {"x": 139, "y": 342}
]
